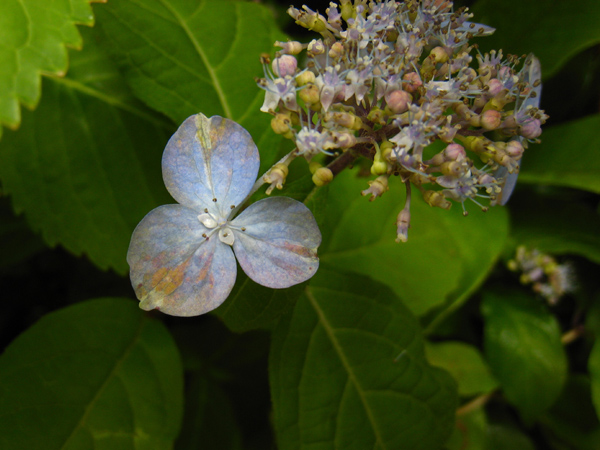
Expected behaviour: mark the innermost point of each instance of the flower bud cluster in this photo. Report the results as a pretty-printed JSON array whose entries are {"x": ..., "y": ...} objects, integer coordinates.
[
  {"x": 387, "y": 79},
  {"x": 549, "y": 278}
]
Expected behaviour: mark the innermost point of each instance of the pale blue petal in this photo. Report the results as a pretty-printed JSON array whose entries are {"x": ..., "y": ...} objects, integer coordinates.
[
  {"x": 174, "y": 268},
  {"x": 510, "y": 181},
  {"x": 278, "y": 247},
  {"x": 532, "y": 72},
  {"x": 209, "y": 159}
]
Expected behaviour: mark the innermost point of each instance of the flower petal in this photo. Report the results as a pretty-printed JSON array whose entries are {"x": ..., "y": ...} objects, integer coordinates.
[
  {"x": 209, "y": 159},
  {"x": 176, "y": 269},
  {"x": 278, "y": 247}
]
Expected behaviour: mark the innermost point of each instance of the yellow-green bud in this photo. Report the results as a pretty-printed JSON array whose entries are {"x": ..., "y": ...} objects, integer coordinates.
[
  {"x": 439, "y": 54},
  {"x": 452, "y": 168},
  {"x": 476, "y": 143},
  {"x": 348, "y": 11},
  {"x": 305, "y": 77},
  {"x": 336, "y": 51},
  {"x": 434, "y": 198},
  {"x": 347, "y": 120},
  {"x": 280, "y": 123},
  {"x": 379, "y": 168},
  {"x": 313, "y": 166},
  {"x": 309, "y": 94},
  {"x": 322, "y": 176},
  {"x": 376, "y": 115}
]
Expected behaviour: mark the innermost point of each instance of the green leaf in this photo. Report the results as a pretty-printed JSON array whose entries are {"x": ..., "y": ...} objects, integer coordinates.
[
  {"x": 16, "y": 239},
  {"x": 561, "y": 30},
  {"x": 96, "y": 375},
  {"x": 523, "y": 348},
  {"x": 85, "y": 167},
  {"x": 572, "y": 423},
  {"x": 34, "y": 35},
  {"x": 568, "y": 156},
  {"x": 447, "y": 255},
  {"x": 594, "y": 369},
  {"x": 348, "y": 370},
  {"x": 506, "y": 437},
  {"x": 184, "y": 57},
  {"x": 536, "y": 224},
  {"x": 465, "y": 364},
  {"x": 469, "y": 432},
  {"x": 209, "y": 420},
  {"x": 251, "y": 306},
  {"x": 474, "y": 432}
]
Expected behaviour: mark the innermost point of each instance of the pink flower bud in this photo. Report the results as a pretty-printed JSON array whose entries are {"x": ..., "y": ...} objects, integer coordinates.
[
  {"x": 514, "y": 148},
  {"x": 495, "y": 86},
  {"x": 412, "y": 82},
  {"x": 398, "y": 101},
  {"x": 491, "y": 119},
  {"x": 454, "y": 152},
  {"x": 290, "y": 47},
  {"x": 486, "y": 179},
  {"x": 316, "y": 47},
  {"x": 284, "y": 65},
  {"x": 531, "y": 129}
]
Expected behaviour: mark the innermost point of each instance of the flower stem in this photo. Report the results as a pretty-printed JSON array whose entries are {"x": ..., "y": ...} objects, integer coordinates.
[{"x": 261, "y": 180}]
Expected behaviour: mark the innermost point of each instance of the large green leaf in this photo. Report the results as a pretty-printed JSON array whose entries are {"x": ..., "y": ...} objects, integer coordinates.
[
  {"x": 568, "y": 156},
  {"x": 594, "y": 368},
  {"x": 34, "y": 34},
  {"x": 523, "y": 348},
  {"x": 85, "y": 166},
  {"x": 183, "y": 57},
  {"x": 572, "y": 423},
  {"x": 465, "y": 364},
  {"x": 209, "y": 421},
  {"x": 16, "y": 239},
  {"x": 556, "y": 226},
  {"x": 251, "y": 306},
  {"x": 97, "y": 375},
  {"x": 554, "y": 31},
  {"x": 348, "y": 370},
  {"x": 469, "y": 432},
  {"x": 474, "y": 432},
  {"x": 446, "y": 257}
]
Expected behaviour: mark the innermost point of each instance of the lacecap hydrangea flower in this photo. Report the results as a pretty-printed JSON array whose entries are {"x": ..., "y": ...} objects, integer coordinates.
[{"x": 182, "y": 255}]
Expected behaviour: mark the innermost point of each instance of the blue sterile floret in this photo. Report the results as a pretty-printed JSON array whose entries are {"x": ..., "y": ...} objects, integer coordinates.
[{"x": 182, "y": 255}]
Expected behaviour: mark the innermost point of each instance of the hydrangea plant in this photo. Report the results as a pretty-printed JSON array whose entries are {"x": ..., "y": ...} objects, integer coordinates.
[
  {"x": 379, "y": 116},
  {"x": 182, "y": 256}
]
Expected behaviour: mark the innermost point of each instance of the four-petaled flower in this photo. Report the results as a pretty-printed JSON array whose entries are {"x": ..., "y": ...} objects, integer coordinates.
[{"x": 181, "y": 255}]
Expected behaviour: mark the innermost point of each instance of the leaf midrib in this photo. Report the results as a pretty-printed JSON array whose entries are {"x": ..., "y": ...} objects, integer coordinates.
[
  {"x": 338, "y": 348},
  {"x": 203, "y": 57},
  {"x": 109, "y": 378}
]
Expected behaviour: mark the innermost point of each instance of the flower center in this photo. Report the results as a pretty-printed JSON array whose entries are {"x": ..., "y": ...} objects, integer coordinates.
[{"x": 225, "y": 234}]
